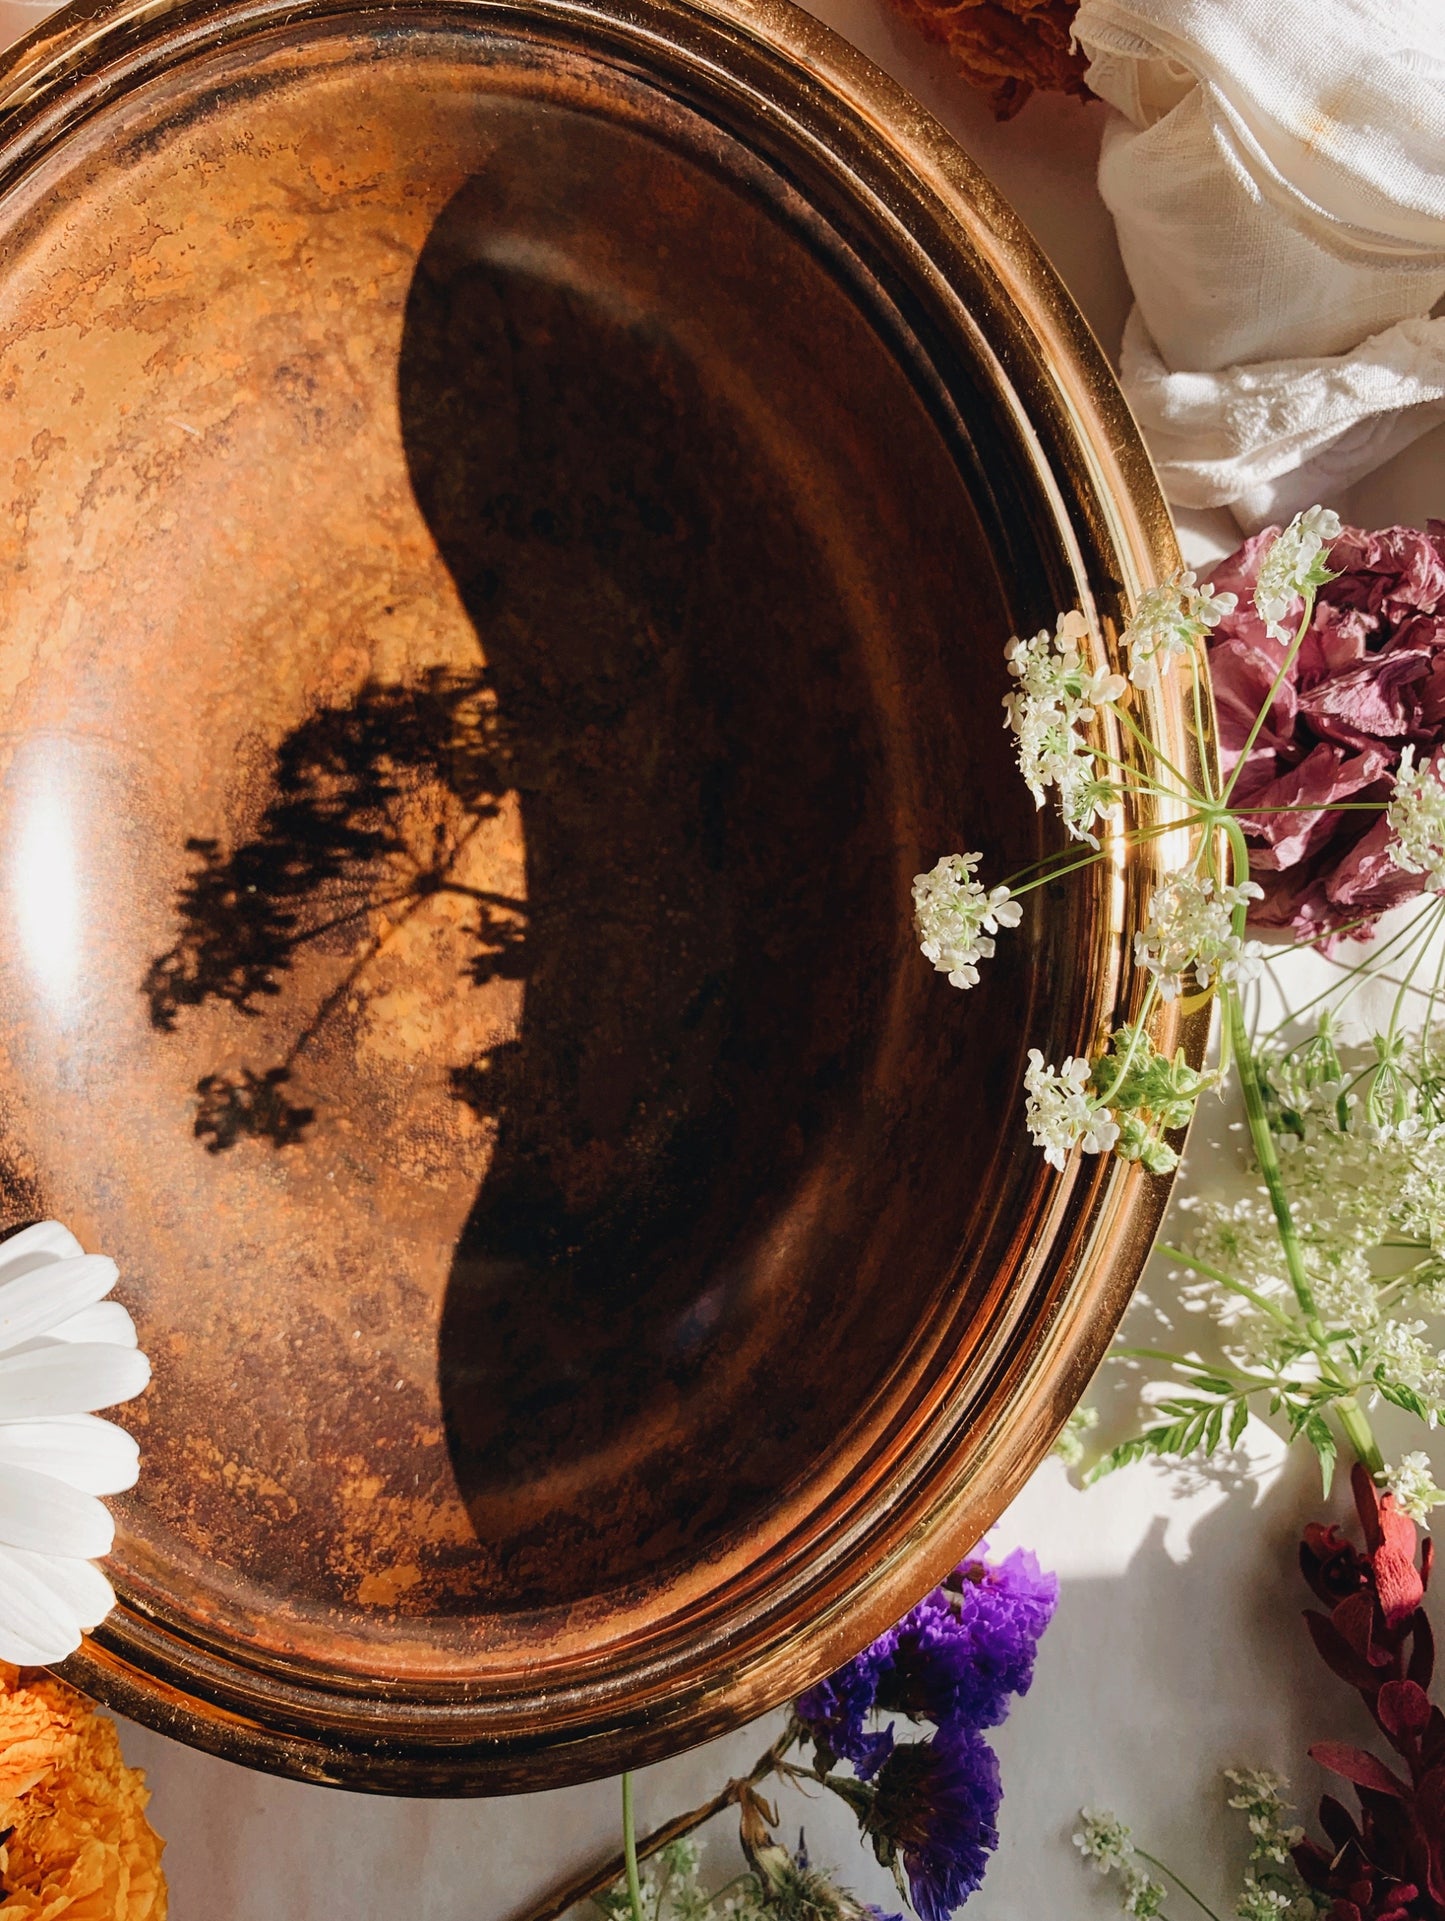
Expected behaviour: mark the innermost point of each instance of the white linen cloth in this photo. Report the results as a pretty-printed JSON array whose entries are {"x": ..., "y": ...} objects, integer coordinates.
[{"x": 1276, "y": 172}]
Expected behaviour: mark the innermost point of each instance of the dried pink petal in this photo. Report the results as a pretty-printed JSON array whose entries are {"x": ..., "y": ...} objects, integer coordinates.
[{"x": 1369, "y": 679}]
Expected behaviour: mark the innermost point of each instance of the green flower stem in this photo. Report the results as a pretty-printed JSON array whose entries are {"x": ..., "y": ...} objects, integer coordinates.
[
  {"x": 1262, "y": 1140},
  {"x": 1147, "y": 783},
  {"x": 1430, "y": 924},
  {"x": 1351, "y": 1415},
  {"x": 1105, "y": 1095},
  {"x": 1360, "y": 1435},
  {"x": 1221, "y": 1279},
  {"x": 593, "y": 1880},
  {"x": 1317, "y": 807},
  {"x": 629, "y": 1850},
  {"x": 1152, "y": 749},
  {"x": 1263, "y": 715},
  {"x": 1198, "y": 1373},
  {"x": 1352, "y": 976},
  {"x": 1428, "y": 1022},
  {"x": 1198, "y": 662},
  {"x": 1139, "y": 839},
  {"x": 1183, "y": 1886}
]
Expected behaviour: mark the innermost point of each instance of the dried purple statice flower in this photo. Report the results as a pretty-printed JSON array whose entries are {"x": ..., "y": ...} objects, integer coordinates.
[
  {"x": 934, "y": 1808},
  {"x": 836, "y": 1713},
  {"x": 964, "y": 1651},
  {"x": 955, "y": 1660}
]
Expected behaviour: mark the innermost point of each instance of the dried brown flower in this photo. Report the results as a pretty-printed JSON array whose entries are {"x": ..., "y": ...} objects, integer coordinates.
[{"x": 1005, "y": 48}]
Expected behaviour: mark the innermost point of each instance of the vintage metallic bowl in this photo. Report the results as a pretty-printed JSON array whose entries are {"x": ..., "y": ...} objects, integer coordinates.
[{"x": 514, "y": 509}]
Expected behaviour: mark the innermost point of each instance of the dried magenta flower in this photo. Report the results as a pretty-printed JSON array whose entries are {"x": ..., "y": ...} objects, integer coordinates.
[{"x": 1368, "y": 682}]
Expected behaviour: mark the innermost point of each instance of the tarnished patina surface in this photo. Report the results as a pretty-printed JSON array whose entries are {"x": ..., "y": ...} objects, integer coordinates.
[{"x": 503, "y": 574}]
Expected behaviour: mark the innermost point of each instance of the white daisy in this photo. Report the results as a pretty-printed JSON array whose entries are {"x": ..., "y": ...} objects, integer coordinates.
[{"x": 64, "y": 1352}]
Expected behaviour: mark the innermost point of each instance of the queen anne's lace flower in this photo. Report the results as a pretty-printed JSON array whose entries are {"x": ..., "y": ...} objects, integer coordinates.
[
  {"x": 1295, "y": 563},
  {"x": 1258, "y": 1903},
  {"x": 1060, "y": 1113},
  {"x": 1417, "y": 814},
  {"x": 1259, "y": 1797},
  {"x": 1189, "y": 929},
  {"x": 1108, "y": 1847},
  {"x": 955, "y": 917},
  {"x": 1168, "y": 621},
  {"x": 1413, "y": 1485},
  {"x": 1144, "y": 1897},
  {"x": 1056, "y": 697},
  {"x": 1103, "y": 1840},
  {"x": 1402, "y": 1358}
]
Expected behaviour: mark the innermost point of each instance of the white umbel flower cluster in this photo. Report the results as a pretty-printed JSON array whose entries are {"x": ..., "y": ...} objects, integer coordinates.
[
  {"x": 1060, "y": 1112},
  {"x": 64, "y": 1352},
  {"x": 1108, "y": 1846},
  {"x": 1417, "y": 814},
  {"x": 1413, "y": 1485},
  {"x": 956, "y": 917},
  {"x": 1259, "y": 1796},
  {"x": 1168, "y": 621},
  {"x": 1295, "y": 562},
  {"x": 1189, "y": 930},
  {"x": 1057, "y": 696},
  {"x": 1273, "y": 1889}
]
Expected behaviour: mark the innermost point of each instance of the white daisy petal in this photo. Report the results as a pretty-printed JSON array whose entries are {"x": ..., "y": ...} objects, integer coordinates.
[
  {"x": 94, "y": 1455},
  {"x": 69, "y": 1377},
  {"x": 79, "y": 1587},
  {"x": 37, "y": 1511},
  {"x": 41, "y": 1299},
  {"x": 65, "y": 1351},
  {"x": 36, "y": 1626},
  {"x": 105, "y": 1321},
  {"x": 37, "y": 1246}
]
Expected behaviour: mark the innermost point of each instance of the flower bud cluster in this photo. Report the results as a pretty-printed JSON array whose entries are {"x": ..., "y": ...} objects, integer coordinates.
[{"x": 1056, "y": 698}]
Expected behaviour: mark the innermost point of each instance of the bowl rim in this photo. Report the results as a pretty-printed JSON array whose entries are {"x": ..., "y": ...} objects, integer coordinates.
[{"x": 1082, "y": 1254}]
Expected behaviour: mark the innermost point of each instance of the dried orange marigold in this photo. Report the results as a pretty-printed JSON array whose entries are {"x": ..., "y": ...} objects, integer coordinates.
[{"x": 80, "y": 1846}]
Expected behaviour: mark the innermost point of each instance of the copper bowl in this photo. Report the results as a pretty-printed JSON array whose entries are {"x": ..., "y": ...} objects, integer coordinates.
[{"x": 515, "y": 509}]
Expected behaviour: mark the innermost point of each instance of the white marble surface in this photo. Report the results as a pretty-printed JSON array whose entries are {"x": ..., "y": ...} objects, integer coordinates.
[{"x": 1177, "y": 1649}]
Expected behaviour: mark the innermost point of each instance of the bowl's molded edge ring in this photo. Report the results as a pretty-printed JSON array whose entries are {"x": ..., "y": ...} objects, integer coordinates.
[{"x": 1058, "y": 377}]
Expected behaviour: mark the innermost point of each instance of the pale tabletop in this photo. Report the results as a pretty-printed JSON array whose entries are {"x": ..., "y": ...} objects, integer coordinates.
[{"x": 1177, "y": 1649}]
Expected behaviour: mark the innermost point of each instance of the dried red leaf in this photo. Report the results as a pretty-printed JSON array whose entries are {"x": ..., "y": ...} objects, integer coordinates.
[
  {"x": 1387, "y": 1864},
  {"x": 1340, "y": 1655},
  {"x": 1358, "y": 1766},
  {"x": 1403, "y": 1710}
]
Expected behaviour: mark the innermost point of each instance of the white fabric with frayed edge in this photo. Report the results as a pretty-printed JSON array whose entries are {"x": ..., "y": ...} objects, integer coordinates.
[{"x": 1273, "y": 168}]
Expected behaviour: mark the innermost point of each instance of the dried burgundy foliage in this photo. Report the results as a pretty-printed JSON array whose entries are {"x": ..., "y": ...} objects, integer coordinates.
[
  {"x": 1369, "y": 678},
  {"x": 1006, "y": 48},
  {"x": 1388, "y": 1862}
]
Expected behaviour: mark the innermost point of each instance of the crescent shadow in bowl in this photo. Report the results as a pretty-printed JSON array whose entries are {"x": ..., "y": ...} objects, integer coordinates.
[
  {"x": 631, "y": 1363},
  {"x": 703, "y": 875}
]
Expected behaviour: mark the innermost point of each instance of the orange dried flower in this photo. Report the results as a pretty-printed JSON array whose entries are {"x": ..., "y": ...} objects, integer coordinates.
[
  {"x": 1006, "y": 48},
  {"x": 80, "y": 1845}
]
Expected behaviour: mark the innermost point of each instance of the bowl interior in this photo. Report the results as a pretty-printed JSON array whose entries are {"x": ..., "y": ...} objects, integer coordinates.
[{"x": 495, "y": 614}]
